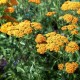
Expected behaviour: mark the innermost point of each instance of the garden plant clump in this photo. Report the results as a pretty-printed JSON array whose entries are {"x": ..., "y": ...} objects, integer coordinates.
[{"x": 39, "y": 40}]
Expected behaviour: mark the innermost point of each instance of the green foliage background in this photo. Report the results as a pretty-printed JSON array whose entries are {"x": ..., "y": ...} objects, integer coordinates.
[{"x": 23, "y": 62}]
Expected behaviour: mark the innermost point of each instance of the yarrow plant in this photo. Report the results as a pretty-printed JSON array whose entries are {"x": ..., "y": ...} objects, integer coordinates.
[{"x": 39, "y": 40}]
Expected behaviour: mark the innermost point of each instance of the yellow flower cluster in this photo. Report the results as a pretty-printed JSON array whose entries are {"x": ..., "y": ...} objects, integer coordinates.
[
  {"x": 4, "y": 27},
  {"x": 50, "y": 34},
  {"x": 70, "y": 18},
  {"x": 18, "y": 30},
  {"x": 60, "y": 66},
  {"x": 35, "y": 1},
  {"x": 3, "y": 2},
  {"x": 69, "y": 5},
  {"x": 9, "y": 9},
  {"x": 36, "y": 26},
  {"x": 74, "y": 32},
  {"x": 69, "y": 67},
  {"x": 50, "y": 13},
  {"x": 54, "y": 42},
  {"x": 41, "y": 43},
  {"x": 41, "y": 48},
  {"x": 71, "y": 27},
  {"x": 71, "y": 47}
]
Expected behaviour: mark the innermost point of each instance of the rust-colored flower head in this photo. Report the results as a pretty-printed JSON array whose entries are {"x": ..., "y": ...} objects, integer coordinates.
[
  {"x": 14, "y": 2},
  {"x": 9, "y": 10}
]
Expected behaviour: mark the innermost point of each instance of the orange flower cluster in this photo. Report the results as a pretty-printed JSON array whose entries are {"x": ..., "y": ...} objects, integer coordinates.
[
  {"x": 74, "y": 32},
  {"x": 36, "y": 26},
  {"x": 50, "y": 13},
  {"x": 71, "y": 27},
  {"x": 9, "y": 10},
  {"x": 71, "y": 47},
  {"x": 71, "y": 67},
  {"x": 69, "y": 5},
  {"x": 68, "y": 67},
  {"x": 40, "y": 38},
  {"x": 3, "y": 2},
  {"x": 60, "y": 66},
  {"x": 35, "y": 1},
  {"x": 18, "y": 30},
  {"x": 41, "y": 43},
  {"x": 53, "y": 42},
  {"x": 70, "y": 18},
  {"x": 4, "y": 27}
]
